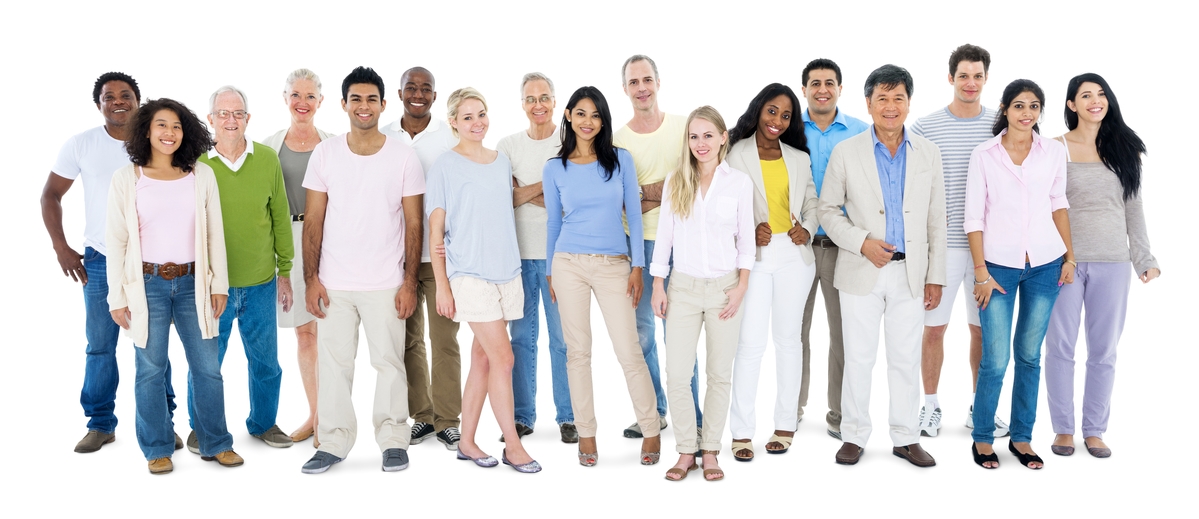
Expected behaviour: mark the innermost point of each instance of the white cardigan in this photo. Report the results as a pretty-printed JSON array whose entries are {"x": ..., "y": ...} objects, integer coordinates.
[
  {"x": 126, "y": 282},
  {"x": 275, "y": 141}
]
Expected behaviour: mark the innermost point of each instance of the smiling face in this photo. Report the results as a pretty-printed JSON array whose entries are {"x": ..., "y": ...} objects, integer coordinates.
[
  {"x": 775, "y": 117},
  {"x": 471, "y": 121},
  {"x": 539, "y": 111},
  {"x": 888, "y": 108},
  {"x": 585, "y": 120},
  {"x": 364, "y": 104},
  {"x": 705, "y": 140},
  {"x": 968, "y": 81},
  {"x": 117, "y": 103},
  {"x": 822, "y": 91},
  {"x": 302, "y": 100},
  {"x": 229, "y": 129},
  {"x": 1090, "y": 102},
  {"x": 641, "y": 85},
  {"x": 1024, "y": 112},
  {"x": 417, "y": 94},
  {"x": 166, "y": 132}
]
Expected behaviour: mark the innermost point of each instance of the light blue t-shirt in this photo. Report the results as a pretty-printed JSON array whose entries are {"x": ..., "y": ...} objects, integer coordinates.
[
  {"x": 585, "y": 209},
  {"x": 480, "y": 226}
]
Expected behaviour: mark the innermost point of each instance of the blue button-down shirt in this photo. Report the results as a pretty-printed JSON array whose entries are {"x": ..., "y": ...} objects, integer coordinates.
[
  {"x": 891, "y": 174},
  {"x": 822, "y": 142}
]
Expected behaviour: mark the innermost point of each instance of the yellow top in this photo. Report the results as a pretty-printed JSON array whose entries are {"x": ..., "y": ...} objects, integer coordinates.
[
  {"x": 655, "y": 155},
  {"x": 778, "y": 194}
]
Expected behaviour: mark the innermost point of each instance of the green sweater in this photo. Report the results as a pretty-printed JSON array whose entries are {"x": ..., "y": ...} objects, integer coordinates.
[{"x": 258, "y": 240}]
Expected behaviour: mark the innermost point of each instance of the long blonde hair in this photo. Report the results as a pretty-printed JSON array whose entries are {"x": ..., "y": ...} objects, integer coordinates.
[{"x": 684, "y": 183}]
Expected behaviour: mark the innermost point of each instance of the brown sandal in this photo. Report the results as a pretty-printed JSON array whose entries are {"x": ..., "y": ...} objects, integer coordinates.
[
  {"x": 713, "y": 472},
  {"x": 682, "y": 474}
]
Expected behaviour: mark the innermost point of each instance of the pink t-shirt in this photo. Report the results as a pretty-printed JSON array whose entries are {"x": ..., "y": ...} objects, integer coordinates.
[
  {"x": 363, "y": 247},
  {"x": 166, "y": 219}
]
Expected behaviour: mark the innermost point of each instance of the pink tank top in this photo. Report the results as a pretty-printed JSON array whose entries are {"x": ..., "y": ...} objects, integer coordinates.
[{"x": 166, "y": 219}]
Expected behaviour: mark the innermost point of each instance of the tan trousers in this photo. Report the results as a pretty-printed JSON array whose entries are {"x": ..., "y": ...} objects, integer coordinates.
[
  {"x": 337, "y": 346},
  {"x": 575, "y": 277},
  {"x": 692, "y": 303},
  {"x": 438, "y": 399},
  {"x": 826, "y": 263}
]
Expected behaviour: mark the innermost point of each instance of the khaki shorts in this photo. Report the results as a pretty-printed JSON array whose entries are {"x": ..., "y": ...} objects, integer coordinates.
[{"x": 478, "y": 301}]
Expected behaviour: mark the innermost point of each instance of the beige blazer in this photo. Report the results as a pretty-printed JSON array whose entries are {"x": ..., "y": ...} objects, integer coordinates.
[
  {"x": 744, "y": 156},
  {"x": 126, "y": 282},
  {"x": 851, "y": 182}
]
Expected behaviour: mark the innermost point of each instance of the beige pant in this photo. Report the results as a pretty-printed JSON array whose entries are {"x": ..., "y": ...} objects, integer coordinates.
[
  {"x": 437, "y": 399},
  {"x": 337, "y": 346},
  {"x": 575, "y": 277},
  {"x": 826, "y": 264},
  {"x": 692, "y": 303}
]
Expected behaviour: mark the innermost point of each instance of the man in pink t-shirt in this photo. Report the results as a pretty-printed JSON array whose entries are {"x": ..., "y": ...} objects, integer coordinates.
[{"x": 362, "y": 245}]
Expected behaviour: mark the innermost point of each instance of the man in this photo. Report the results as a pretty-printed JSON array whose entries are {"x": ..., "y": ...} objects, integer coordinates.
[
  {"x": 883, "y": 204},
  {"x": 258, "y": 247},
  {"x": 94, "y": 156},
  {"x": 956, "y": 129},
  {"x": 435, "y": 402},
  {"x": 529, "y": 150},
  {"x": 362, "y": 273},
  {"x": 825, "y": 126},
  {"x": 655, "y": 140}
]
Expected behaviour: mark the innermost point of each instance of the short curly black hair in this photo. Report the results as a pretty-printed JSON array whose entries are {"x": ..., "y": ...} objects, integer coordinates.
[
  {"x": 363, "y": 75},
  {"x": 115, "y": 76},
  {"x": 196, "y": 138}
]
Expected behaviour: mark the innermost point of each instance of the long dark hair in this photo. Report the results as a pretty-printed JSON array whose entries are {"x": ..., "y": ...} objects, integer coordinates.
[
  {"x": 196, "y": 139},
  {"x": 1119, "y": 147},
  {"x": 747, "y": 124},
  {"x": 1014, "y": 89},
  {"x": 604, "y": 151}
]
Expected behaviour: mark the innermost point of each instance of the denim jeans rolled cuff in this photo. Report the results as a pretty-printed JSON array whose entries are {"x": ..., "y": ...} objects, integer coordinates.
[
  {"x": 525, "y": 335},
  {"x": 254, "y": 309},
  {"x": 174, "y": 301},
  {"x": 1036, "y": 289}
]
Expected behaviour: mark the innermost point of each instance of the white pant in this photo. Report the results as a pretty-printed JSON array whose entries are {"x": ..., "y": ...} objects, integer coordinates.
[
  {"x": 779, "y": 283},
  {"x": 903, "y": 318},
  {"x": 959, "y": 273}
]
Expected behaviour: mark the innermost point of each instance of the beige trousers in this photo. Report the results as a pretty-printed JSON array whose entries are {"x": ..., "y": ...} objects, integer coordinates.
[
  {"x": 435, "y": 400},
  {"x": 575, "y": 277},
  {"x": 692, "y": 303},
  {"x": 826, "y": 265},
  {"x": 337, "y": 346}
]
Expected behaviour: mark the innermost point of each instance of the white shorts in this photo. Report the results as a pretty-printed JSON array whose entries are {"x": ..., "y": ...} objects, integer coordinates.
[
  {"x": 298, "y": 315},
  {"x": 959, "y": 272},
  {"x": 478, "y": 301}
]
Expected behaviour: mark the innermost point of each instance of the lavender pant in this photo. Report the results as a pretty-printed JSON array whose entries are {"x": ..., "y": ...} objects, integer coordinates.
[{"x": 1102, "y": 289}]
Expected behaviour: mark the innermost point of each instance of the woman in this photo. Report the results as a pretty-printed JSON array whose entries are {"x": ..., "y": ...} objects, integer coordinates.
[
  {"x": 707, "y": 222},
  {"x": 469, "y": 207},
  {"x": 586, "y": 188},
  {"x": 1108, "y": 227},
  {"x": 1019, "y": 234},
  {"x": 166, "y": 263},
  {"x": 774, "y": 153},
  {"x": 294, "y": 144}
]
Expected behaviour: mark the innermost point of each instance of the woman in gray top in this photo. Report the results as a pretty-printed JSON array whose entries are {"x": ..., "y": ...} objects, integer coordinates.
[
  {"x": 1107, "y": 225},
  {"x": 294, "y": 144}
]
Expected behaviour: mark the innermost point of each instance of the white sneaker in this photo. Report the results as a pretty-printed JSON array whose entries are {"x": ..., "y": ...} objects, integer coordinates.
[
  {"x": 930, "y": 423},
  {"x": 1001, "y": 427}
]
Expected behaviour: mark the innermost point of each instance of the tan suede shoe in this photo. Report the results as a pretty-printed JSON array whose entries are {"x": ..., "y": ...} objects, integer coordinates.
[
  {"x": 226, "y": 459},
  {"x": 161, "y": 466}
]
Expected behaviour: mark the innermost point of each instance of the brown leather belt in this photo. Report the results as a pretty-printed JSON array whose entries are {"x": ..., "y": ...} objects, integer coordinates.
[{"x": 168, "y": 271}]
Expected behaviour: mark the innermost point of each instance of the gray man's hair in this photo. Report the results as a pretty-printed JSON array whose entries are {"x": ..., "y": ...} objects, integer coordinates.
[
  {"x": 534, "y": 76},
  {"x": 302, "y": 73},
  {"x": 245, "y": 103},
  {"x": 635, "y": 58}
]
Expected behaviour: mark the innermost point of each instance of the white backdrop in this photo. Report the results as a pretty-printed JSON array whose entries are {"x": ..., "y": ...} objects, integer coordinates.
[{"x": 708, "y": 53}]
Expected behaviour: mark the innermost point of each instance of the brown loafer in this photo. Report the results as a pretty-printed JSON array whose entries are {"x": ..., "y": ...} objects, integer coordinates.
[
  {"x": 915, "y": 454},
  {"x": 226, "y": 459},
  {"x": 849, "y": 454},
  {"x": 93, "y": 440},
  {"x": 161, "y": 466}
]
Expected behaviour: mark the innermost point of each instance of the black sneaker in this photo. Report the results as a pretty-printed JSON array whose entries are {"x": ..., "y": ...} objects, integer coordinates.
[
  {"x": 395, "y": 460},
  {"x": 420, "y": 432},
  {"x": 320, "y": 462},
  {"x": 522, "y": 430},
  {"x": 449, "y": 436}
]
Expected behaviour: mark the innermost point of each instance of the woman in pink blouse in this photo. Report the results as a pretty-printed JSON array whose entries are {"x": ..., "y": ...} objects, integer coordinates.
[
  {"x": 1019, "y": 234},
  {"x": 707, "y": 221}
]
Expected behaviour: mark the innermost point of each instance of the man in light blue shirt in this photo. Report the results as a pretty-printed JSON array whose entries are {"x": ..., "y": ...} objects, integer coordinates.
[{"x": 824, "y": 127}]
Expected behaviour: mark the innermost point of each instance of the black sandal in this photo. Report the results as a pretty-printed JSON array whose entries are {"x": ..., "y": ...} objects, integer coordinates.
[
  {"x": 1025, "y": 459},
  {"x": 980, "y": 459}
]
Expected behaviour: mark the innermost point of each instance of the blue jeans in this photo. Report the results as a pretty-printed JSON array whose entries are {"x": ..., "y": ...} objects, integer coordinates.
[
  {"x": 649, "y": 347},
  {"x": 100, "y": 376},
  {"x": 168, "y": 301},
  {"x": 254, "y": 309},
  {"x": 524, "y": 350},
  {"x": 1037, "y": 289}
]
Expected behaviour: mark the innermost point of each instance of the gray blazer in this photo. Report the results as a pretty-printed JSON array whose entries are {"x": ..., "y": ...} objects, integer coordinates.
[
  {"x": 851, "y": 183},
  {"x": 744, "y": 156}
]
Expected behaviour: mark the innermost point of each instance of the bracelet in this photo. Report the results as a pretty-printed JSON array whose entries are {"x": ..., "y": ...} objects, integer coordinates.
[
  {"x": 983, "y": 282},
  {"x": 1072, "y": 263}
]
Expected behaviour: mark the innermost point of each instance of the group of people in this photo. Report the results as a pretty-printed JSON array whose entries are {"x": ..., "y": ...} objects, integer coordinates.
[{"x": 728, "y": 231}]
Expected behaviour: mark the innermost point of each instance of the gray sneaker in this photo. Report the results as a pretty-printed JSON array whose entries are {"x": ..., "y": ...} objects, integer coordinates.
[
  {"x": 193, "y": 443},
  {"x": 395, "y": 460},
  {"x": 275, "y": 437},
  {"x": 634, "y": 431},
  {"x": 320, "y": 462}
]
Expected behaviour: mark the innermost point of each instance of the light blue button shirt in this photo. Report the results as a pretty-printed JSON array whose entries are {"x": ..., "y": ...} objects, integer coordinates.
[
  {"x": 821, "y": 142},
  {"x": 891, "y": 174}
]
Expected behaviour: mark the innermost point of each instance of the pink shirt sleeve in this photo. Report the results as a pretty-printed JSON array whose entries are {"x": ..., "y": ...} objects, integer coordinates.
[
  {"x": 976, "y": 193},
  {"x": 414, "y": 176},
  {"x": 314, "y": 176},
  {"x": 1057, "y": 192}
]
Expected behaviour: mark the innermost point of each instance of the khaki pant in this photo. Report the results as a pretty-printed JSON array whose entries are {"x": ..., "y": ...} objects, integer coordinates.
[
  {"x": 826, "y": 263},
  {"x": 337, "y": 346},
  {"x": 575, "y": 277},
  {"x": 437, "y": 399},
  {"x": 692, "y": 303}
]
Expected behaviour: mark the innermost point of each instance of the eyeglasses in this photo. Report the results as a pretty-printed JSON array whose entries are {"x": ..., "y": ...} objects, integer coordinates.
[
  {"x": 545, "y": 99},
  {"x": 237, "y": 114}
]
